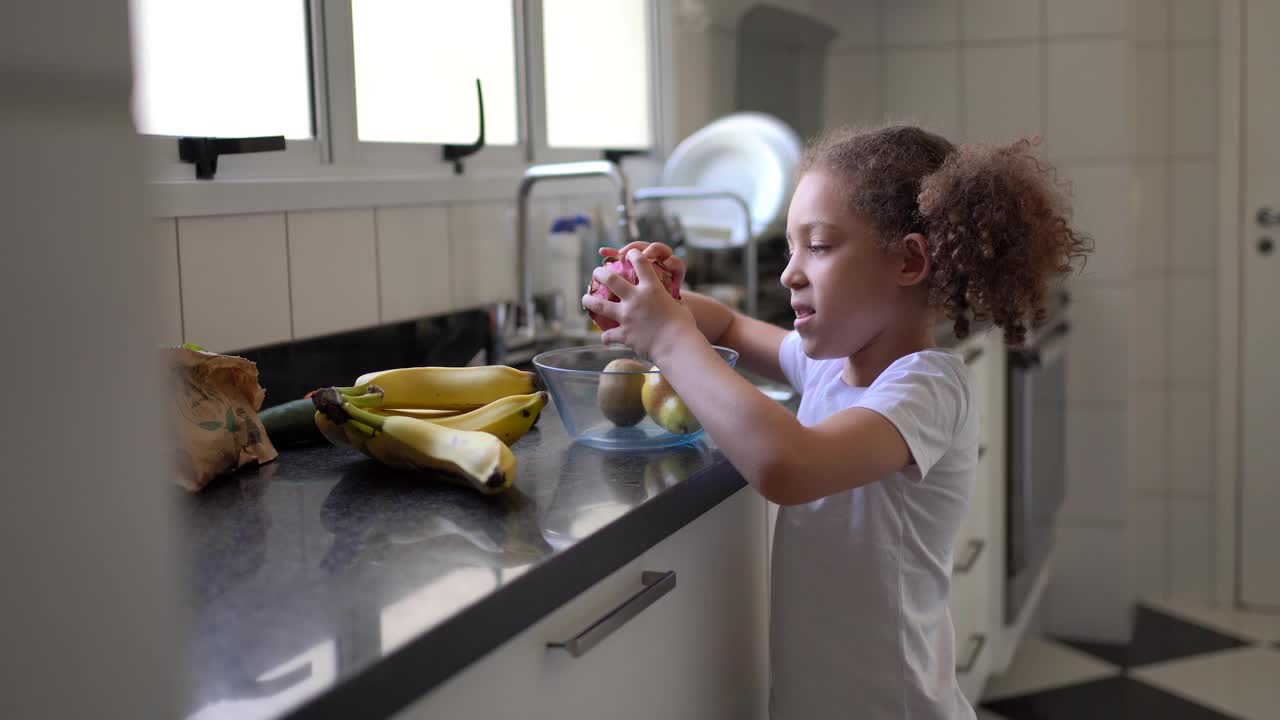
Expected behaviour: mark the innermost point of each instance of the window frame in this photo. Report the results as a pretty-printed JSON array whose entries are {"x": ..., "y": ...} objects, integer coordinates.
[
  {"x": 335, "y": 170},
  {"x": 534, "y": 61}
]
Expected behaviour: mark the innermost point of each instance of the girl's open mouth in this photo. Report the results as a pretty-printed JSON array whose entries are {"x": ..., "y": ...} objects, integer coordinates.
[{"x": 803, "y": 314}]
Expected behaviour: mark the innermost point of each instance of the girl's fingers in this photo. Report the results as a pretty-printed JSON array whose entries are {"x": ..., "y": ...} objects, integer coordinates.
[
  {"x": 600, "y": 306},
  {"x": 645, "y": 273},
  {"x": 617, "y": 284}
]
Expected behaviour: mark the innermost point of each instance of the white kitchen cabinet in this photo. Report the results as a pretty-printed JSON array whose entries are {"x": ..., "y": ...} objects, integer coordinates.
[{"x": 696, "y": 652}]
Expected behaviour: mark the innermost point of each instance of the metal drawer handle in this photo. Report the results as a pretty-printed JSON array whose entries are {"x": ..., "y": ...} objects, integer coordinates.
[
  {"x": 656, "y": 584},
  {"x": 977, "y": 641},
  {"x": 975, "y": 548}
]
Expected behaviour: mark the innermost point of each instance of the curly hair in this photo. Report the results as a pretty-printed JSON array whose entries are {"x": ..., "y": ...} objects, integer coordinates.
[{"x": 996, "y": 218}]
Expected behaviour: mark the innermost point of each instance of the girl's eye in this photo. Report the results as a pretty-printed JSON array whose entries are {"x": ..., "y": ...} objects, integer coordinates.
[{"x": 817, "y": 249}]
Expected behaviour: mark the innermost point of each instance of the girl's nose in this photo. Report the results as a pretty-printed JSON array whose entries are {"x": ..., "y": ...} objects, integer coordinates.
[{"x": 791, "y": 276}]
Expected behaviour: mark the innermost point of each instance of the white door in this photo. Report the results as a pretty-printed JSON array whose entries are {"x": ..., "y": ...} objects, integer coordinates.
[{"x": 1260, "y": 306}]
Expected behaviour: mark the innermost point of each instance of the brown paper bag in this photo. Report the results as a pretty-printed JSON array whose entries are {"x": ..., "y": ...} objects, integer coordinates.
[{"x": 216, "y": 399}]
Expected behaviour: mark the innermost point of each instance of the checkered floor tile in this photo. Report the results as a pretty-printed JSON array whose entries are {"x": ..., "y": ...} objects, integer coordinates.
[{"x": 1183, "y": 662}]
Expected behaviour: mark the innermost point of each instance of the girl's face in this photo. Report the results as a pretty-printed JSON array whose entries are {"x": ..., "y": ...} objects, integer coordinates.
[{"x": 844, "y": 288}]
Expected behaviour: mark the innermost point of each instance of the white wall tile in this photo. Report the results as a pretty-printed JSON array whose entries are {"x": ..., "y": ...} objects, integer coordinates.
[
  {"x": 1191, "y": 549},
  {"x": 919, "y": 22},
  {"x": 1102, "y": 201},
  {"x": 1000, "y": 19},
  {"x": 1002, "y": 92},
  {"x": 1195, "y": 101},
  {"x": 1194, "y": 20},
  {"x": 1148, "y": 426},
  {"x": 1097, "y": 469},
  {"x": 1192, "y": 327},
  {"x": 1088, "y": 17},
  {"x": 1148, "y": 360},
  {"x": 1191, "y": 440},
  {"x": 857, "y": 22},
  {"x": 1193, "y": 193},
  {"x": 235, "y": 280},
  {"x": 1151, "y": 549},
  {"x": 1151, "y": 244},
  {"x": 165, "y": 242},
  {"x": 1152, "y": 113},
  {"x": 1098, "y": 347},
  {"x": 1091, "y": 593},
  {"x": 1089, "y": 99},
  {"x": 1152, "y": 22},
  {"x": 414, "y": 273},
  {"x": 333, "y": 271},
  {"x": 923, "y": 86},
  {"x": 852, "y": 95},
  {"x": 482, "y": 256}
]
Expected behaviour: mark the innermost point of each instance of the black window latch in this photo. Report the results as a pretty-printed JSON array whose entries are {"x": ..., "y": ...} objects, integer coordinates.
[
  {"x": 455, "y": 153},
  {"x": 203, "y": 152}
]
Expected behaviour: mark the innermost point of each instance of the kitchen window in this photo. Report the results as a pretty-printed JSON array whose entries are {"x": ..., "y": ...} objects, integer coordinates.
[{"x": 367, "y": 92}]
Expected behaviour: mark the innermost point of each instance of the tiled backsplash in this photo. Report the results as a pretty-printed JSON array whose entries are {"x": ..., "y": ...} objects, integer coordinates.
[{"x": 291, "y": 369}]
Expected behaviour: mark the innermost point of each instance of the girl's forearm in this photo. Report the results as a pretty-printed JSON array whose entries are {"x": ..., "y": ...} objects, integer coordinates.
[
  {"x": 713, "y": 317},
  {"x": 752, "y": 430}
]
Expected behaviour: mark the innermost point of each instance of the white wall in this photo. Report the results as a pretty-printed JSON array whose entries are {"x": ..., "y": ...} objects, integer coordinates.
[{"x": 92, "y": 586}]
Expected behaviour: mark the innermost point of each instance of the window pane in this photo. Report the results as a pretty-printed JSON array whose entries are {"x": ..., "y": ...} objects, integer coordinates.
[
  {"x": 597, "y": 70},
  {"x": 225, "y": 68},
  {"x": 416, "y": 67}
]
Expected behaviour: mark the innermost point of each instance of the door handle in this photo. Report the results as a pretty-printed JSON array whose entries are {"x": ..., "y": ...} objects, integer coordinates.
[
  {"x": 656, "y": 584},
  {"x": 977, "y": 641},
  {"x": 975, "y": 548},
  {"x": 1267, "y": 217}
]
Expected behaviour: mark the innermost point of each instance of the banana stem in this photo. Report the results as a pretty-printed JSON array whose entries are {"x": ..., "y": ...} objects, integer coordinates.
[
  {"x": 354, "y": 391},
  {"x": 368, "y": 419},
  {"x": 367, "y": 400},
  {"x": 361, "y": 428}
]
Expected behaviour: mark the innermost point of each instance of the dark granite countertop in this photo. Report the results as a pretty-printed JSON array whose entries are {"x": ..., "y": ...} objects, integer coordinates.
[{"x": 326, "y": 585}]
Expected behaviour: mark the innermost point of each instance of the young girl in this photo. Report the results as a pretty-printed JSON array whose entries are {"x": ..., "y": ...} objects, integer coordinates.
[{"x": 888, "y": 231}]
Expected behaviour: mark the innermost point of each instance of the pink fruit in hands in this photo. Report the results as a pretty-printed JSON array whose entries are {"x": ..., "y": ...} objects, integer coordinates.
[{"x": 623, "y": 267}]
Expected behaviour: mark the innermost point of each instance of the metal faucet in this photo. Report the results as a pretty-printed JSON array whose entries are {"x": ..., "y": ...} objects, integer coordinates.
[
  {"x": 674, "y": 192},
  {"x": 506, "y": 327}
]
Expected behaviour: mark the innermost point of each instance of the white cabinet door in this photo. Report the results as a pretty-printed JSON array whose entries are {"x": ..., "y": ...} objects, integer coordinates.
[{"x": 698, "y": 651}]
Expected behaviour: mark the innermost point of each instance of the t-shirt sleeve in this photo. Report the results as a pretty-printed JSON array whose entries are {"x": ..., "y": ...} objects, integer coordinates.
[
  {"x": 795, "y": 364},
  {"x": 926, "y": 399}
]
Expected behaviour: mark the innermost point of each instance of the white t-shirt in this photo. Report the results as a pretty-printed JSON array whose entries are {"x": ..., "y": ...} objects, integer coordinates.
[{"x": 859, "y": 624}]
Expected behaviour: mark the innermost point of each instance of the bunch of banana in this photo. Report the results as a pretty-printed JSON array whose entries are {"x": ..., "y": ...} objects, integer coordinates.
[
  {"x": 468, "y": 457},
  {"x": 458, "y": 420}
]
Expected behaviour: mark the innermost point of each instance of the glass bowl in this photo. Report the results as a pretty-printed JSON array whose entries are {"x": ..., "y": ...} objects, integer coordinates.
[{"x": 573, "y": 377}]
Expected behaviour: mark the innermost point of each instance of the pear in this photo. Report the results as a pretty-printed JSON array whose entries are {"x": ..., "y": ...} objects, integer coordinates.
[
  {"x": 665, "y": 406},
  {"x": 618, "y": 395}
]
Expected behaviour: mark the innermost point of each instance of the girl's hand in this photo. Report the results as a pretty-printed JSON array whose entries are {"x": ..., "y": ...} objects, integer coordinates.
[
  {"x": 650, "y": 321},
  {"x": 655, "y": 252}
]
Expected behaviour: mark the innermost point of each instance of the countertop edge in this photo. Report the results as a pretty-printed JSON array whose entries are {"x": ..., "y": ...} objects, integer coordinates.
[{"x": 428, "y": 661}]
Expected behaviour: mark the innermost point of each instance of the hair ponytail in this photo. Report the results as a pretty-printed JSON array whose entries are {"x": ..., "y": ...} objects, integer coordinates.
[{"x": 998, "y": 232}]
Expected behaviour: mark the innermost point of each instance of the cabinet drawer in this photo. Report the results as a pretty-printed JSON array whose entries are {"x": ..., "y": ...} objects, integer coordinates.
[{"x": 696, "y": 651}]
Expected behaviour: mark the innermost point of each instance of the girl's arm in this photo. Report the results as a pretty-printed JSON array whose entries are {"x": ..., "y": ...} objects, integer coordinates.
[
  {"x": 785, "y": 461},
  {"x": 756, "y": 341}
]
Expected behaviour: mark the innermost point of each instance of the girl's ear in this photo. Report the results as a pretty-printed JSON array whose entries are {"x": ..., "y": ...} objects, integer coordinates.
[{"x": 916, "y": 262}]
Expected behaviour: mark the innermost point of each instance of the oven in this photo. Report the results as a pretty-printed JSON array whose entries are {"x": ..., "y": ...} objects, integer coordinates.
[{"x": 1037, "y": 383}]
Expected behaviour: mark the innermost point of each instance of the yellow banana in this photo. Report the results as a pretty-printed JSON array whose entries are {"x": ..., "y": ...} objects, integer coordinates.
[
  {"x": 442, "y": 388},
  {"x": 469, "y": 457},
  {"x": 507, "y": 418}
]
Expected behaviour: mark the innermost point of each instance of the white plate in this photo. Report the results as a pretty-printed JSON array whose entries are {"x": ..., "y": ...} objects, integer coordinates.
[{"x": 751, "y": 154}]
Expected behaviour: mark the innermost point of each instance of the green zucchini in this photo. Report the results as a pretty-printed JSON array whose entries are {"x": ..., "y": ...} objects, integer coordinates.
[{"x": 292, "y": 424}]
